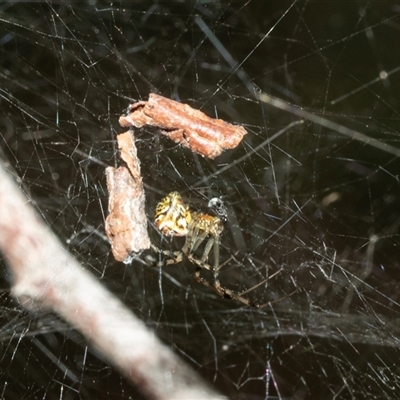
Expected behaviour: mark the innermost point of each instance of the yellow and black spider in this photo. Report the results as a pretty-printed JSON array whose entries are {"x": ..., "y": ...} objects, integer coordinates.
[{"x": 174, "y": 218}]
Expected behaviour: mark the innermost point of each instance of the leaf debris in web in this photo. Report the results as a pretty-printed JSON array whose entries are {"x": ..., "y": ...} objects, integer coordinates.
[
  {"x": 183, "y": 124},
  {"x": 126, "y": 224}
]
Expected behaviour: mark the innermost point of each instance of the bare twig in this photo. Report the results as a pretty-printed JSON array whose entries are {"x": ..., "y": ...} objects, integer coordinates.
[
  {"x": 46, "y": 276},
  {"x": 126, "y": 224},
  {"x": 185, "y": 125}
]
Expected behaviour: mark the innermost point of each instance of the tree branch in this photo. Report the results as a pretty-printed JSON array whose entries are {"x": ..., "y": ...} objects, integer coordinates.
[{"x": 46, "y": 276}]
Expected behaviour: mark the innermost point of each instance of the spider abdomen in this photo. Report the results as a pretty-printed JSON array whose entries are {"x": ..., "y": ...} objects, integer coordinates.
[{"x": 173, "y": 216}]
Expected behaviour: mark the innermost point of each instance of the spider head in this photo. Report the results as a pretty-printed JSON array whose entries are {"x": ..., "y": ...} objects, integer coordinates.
[{"x": 218, "y": 207}]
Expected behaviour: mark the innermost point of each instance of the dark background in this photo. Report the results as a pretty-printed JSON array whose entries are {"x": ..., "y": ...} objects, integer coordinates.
[{"x": 320, "y": 206}]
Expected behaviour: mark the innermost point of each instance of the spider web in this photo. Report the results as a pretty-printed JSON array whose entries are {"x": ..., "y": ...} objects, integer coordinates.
[{"x": 312, "y": 192}]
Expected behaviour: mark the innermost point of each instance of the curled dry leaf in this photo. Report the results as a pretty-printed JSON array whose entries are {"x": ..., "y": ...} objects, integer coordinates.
[
  {"x": 126, "y": 224},
  {"x": 185, "y": 125}
]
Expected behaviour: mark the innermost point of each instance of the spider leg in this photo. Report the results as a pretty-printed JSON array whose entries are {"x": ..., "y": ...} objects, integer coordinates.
[
  {"x": 193, "y": 241},
  {"x": 209, "y": 245},
  {"x": 229, "y": 294},
  {"x": 199, "y": 263},
  {"x": 172, "y": 257},
  {"x": 223, "y": 292},
  {"x": 216, "y": 267},
  {"x": 216, "y": 285}
]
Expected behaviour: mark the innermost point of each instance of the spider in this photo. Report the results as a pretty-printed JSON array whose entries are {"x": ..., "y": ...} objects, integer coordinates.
[{"x": 174, "y": 218}]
